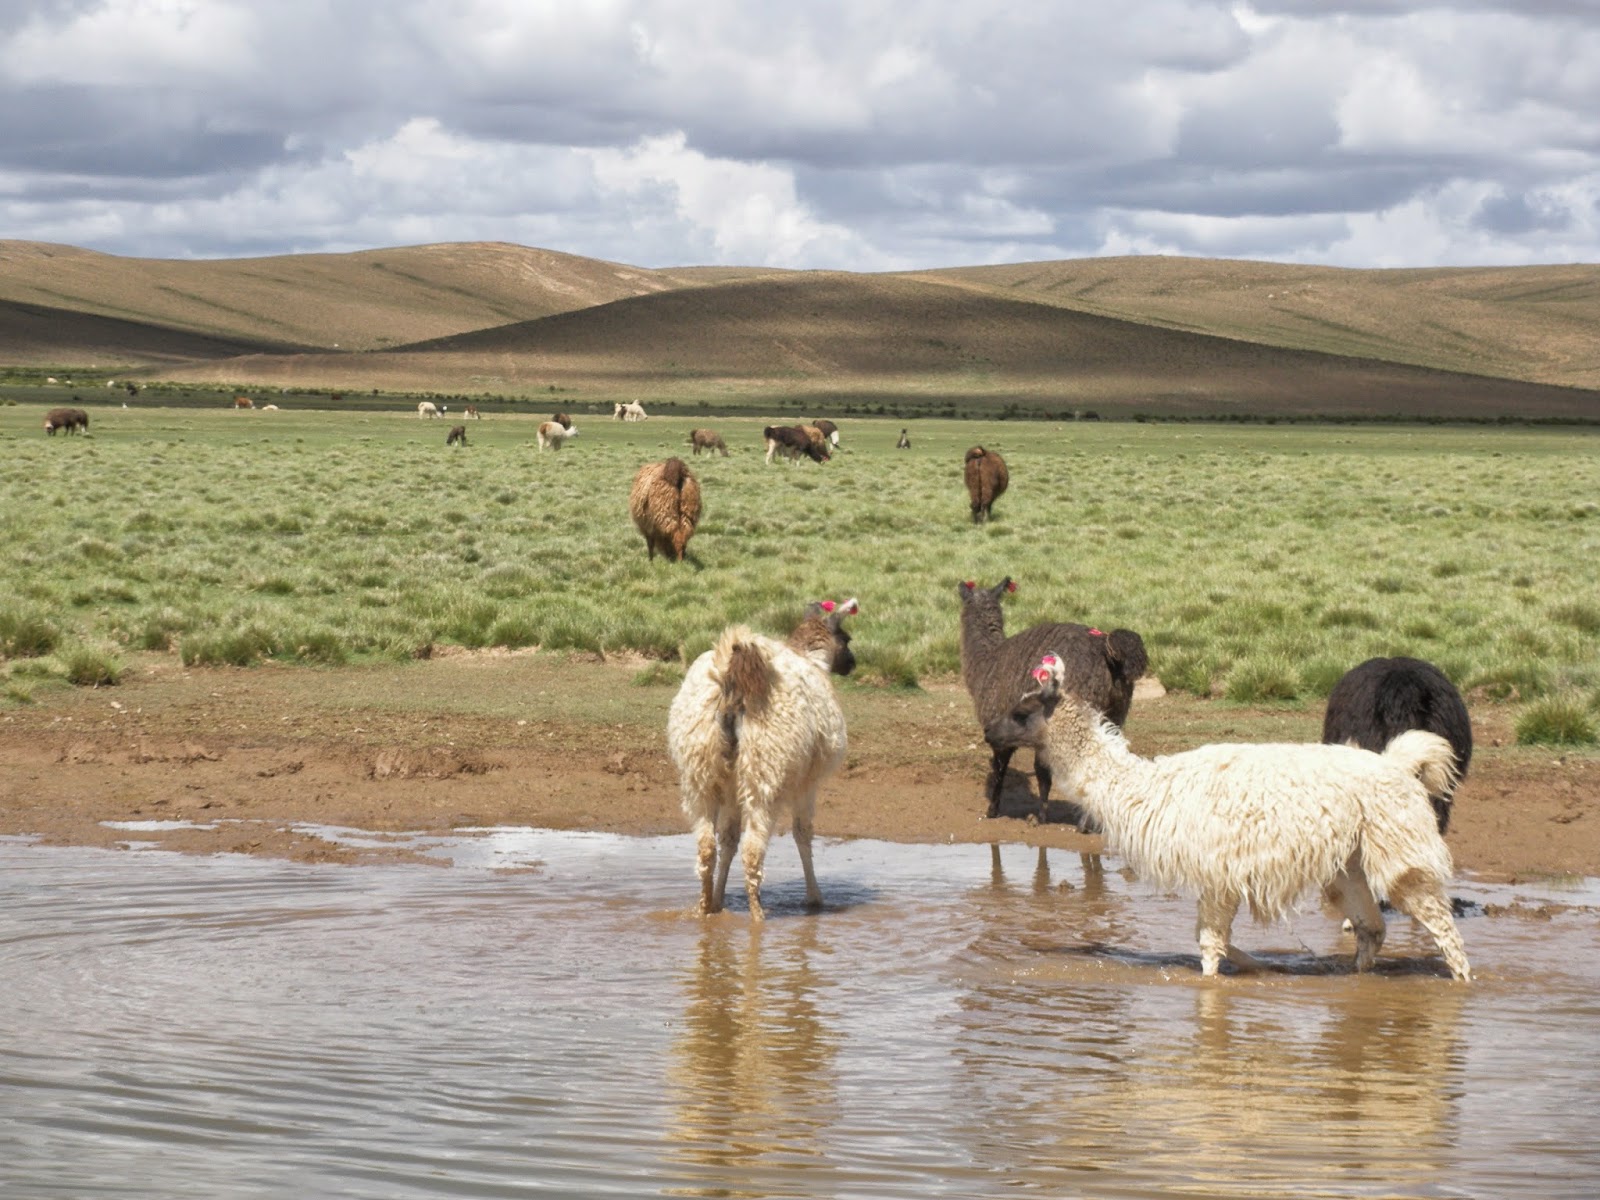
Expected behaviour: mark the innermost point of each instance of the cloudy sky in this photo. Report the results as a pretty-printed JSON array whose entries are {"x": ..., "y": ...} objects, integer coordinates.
[{"x": 866, "y": 134}]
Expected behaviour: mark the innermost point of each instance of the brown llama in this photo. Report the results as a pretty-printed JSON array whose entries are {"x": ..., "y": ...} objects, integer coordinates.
[
  {"x": 665, "y": 504},
  {"x": 987, "y": 480},
  {"x": 707, "y": 440},
  {"x": 458, "y": 433}
]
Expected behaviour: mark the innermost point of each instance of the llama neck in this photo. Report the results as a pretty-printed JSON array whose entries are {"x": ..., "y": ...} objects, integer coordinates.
[
  {"x": 814, "y": 640},
  {"x": 1098, "y": 764},
  {"x": 983, "y": 629}
]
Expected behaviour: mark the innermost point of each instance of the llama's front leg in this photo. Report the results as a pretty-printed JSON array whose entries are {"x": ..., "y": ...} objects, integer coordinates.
[
  {"x": 757, "y": 829},
  {"x": 802, "y": 841},
  {"x": 1000, "y": 760},
  {"x": 728, "y": 846},
  {"x": 1428, "y": 905},
  {"x": 1351, "y": 892},
  {"x": 1214, "y": 929}
]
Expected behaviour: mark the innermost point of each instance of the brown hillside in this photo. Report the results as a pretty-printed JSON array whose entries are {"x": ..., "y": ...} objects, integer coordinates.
[
  {"x": 36, "y": 335},
  {"x": 357, "y": 301},
  {"x": 832, "y": 333},
  {"x": 1533, "y": 323}
]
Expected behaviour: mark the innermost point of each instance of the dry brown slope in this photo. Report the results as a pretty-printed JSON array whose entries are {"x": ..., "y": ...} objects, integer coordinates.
[
  {"x": 36, "y": 335},
  {"x": 857, "y": 332},
  {"x": 1535, "y": 323},
  {"x": 354, "y": 301}
]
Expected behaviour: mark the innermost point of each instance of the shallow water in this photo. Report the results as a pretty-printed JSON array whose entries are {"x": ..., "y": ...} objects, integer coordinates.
[{"x": 958, "y": 1021}]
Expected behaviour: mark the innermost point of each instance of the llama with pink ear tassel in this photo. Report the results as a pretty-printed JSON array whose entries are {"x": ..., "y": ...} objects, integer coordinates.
[
  {"x": 754, "y": 731},
  {"x": 1264, "y": 824}
]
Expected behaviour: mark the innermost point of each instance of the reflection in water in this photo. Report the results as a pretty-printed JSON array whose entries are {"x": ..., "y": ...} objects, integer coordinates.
[
  {"x": 205, "y": 1027},
  {"x": 751, "y": 1079},
  {"x": 1352, "y": 1091}
]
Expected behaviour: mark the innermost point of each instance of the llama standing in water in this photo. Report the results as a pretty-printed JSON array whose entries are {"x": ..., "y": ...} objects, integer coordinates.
[{"x": 753, "y": 731}]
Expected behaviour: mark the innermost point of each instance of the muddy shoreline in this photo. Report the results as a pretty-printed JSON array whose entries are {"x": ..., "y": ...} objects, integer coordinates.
[{"x": 253, "y": 756}]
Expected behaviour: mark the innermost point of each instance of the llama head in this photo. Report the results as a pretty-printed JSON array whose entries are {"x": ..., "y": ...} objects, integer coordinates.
[
  {"x": 822, "y": 633},
  {"x": 970, "y": 591}
]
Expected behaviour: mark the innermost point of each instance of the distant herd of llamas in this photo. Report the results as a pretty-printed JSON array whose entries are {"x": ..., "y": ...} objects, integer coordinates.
[{"x": 755, "y": 729}]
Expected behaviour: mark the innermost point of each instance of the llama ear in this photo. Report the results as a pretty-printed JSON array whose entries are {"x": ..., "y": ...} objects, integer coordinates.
[
  {"x": 966, "y": 589},
  {"x": 850, "y": 607},
  {"x": 1010, "y": 584}
]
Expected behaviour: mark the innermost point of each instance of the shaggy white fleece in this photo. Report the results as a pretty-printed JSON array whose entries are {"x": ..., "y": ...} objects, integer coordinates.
[
  {"x": 1264, "y": 825},
  {"x": 742, "y": 766}
]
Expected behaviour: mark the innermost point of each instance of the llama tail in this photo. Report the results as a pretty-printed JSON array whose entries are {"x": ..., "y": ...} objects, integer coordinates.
[
  {"x": 747, "y": 679},
  {"x": 1401, "y": 848},
  {"x": 1428, "y": 757}
]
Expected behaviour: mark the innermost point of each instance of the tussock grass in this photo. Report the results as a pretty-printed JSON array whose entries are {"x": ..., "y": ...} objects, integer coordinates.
[
  {"x": 1562, "y": 720},
  {"x": 1259, "y": 564}
]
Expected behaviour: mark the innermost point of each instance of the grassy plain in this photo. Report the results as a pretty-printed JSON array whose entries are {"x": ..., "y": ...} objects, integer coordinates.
[{"x": 1258, "y": 562}]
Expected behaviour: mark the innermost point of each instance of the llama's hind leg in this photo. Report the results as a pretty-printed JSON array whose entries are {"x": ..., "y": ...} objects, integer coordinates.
[
  {"x": 1214, "y": 929},
  {"x": 706, "y": 864},
  {"x": 1351, "y": 892},
  {"x": 727, "y": 847},
  {"x": 1426, "y": 903},
  {"x": 802, "y": 841},
  {"x": 757, "y": 829}
]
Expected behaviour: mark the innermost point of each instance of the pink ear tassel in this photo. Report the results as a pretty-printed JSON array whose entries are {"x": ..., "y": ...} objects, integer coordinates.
[
  {"x": 851, "y": 606},
  {"x": 1041, "y": 674},
  {"x": 827, "y": 606},
  {"x": 1049, "y": 660},
  {"x": 1095, "y": 633}
]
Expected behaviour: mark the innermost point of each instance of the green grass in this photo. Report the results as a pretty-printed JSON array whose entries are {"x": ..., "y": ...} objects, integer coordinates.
[{"x": 1258, "y": 563}]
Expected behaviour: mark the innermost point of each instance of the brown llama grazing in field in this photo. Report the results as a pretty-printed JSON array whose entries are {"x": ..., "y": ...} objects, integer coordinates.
[
  {"x": 904, "y": 443},
  {"x": 707, "y": 440},
  {"x": 665, "y": 504},
  {"x": 243, "y": 402},
  {"x": 987, "y": 480},
  {"x": 458, "y": 433},
  {"x": 73, "y": 420},
  {"x": 792, "y": 441},
  {"x": 472, "y": 413}
]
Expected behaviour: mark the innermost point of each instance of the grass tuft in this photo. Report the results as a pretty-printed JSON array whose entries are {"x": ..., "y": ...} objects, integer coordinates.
[{"x": 1562, "y": 720}]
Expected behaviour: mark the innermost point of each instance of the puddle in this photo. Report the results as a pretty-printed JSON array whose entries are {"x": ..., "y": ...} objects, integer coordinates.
[{"x": 547, "y": 1017}]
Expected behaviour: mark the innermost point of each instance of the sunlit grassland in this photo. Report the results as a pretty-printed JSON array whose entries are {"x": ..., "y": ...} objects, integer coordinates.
[{"x": 1258, "y": 563}]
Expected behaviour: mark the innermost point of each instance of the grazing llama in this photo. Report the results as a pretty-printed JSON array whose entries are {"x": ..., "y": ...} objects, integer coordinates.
[{"x": 1383, "y": 697}]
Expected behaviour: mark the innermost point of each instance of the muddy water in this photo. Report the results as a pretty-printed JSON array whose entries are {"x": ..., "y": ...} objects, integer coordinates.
[{"x": 544, "y": 1018}]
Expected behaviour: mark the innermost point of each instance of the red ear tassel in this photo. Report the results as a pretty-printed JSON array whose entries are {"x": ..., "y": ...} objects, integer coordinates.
[
  {"x": 1041, "y": 674},
  {"x": 1095, "y": 633},
  {"x": 1049, "y": 660},
  {"x": 969, "y": 583},
  {"x": 827, "y": 606},
  {"x": 1011, "y": 585}
]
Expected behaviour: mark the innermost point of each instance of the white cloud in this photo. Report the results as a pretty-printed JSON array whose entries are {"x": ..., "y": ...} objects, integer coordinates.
[{"x": 837, "y": 133}]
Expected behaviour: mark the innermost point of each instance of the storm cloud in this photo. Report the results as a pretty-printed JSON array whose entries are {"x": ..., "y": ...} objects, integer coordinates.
[{"x": 865, "y": 135}]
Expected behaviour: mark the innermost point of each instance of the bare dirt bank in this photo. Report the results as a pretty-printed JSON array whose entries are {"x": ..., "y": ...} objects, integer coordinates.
[{"x": 527, "y": 739}]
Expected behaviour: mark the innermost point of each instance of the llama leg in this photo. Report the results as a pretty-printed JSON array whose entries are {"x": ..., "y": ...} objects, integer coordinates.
[
  {"x": 1000, "y": 761},
  {"x": 1350, "y": 891},
  {"x": 706, "y": 833},
  {"x": 1214, "y": 929},
  {"x": 758, "y": 827},
  {"x": 1041, "y": 772},
  {"x": 802, "y": 841},
  {"x": 728, "y": 845},
  {"x": 1426, "y": 903}
]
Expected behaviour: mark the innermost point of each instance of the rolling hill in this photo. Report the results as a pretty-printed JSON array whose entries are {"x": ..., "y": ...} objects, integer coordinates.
[{"x": 1127, "y": 336}]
